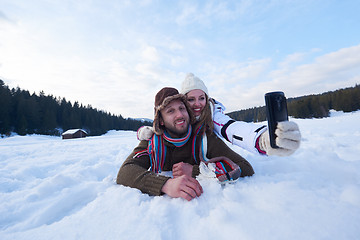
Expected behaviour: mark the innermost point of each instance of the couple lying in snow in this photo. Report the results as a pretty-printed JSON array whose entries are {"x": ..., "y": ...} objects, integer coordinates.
[{"x": 182, "y": 141}]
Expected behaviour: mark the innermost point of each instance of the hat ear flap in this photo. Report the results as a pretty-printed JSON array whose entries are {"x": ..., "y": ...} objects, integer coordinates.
[{"x": 157, "y": 123}]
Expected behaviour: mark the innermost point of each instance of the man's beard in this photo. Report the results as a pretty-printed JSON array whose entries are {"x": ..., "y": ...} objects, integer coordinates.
[{"x": 177, "y": 133}]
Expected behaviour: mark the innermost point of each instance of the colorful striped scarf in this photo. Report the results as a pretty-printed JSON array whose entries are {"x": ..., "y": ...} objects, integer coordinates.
[
  {"x": 202, "y": 148},
  {"x": 157, "y": 149}
]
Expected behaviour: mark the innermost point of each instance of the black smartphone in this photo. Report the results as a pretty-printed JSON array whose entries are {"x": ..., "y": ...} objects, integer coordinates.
[{"x": 276, "y": 111}]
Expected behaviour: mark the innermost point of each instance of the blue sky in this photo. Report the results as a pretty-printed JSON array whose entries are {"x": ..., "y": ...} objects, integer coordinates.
[{"x": 115, "y": 55}]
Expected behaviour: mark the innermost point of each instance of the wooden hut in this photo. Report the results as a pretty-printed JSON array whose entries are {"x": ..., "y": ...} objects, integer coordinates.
[{"x": 74, "y": 133}]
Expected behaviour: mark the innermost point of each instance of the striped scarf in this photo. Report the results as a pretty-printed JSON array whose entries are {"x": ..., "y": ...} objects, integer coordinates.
[
  {"x": 157, "y": 150},
  {"x": 202, "y": 147}
]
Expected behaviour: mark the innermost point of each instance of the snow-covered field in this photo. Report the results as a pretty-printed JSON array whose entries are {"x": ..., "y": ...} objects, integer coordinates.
[{"x": 65, "y": 189}]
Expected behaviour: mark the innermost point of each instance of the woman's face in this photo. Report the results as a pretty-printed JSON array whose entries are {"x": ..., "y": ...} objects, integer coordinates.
[{"x": 197, "y": 101}]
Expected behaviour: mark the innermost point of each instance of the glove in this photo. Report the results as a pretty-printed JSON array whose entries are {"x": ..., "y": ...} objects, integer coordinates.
[
  {"x": 145, "y": 133},
  {"x": 288, "y": 139},
  {"x": 222, "y": 168}
]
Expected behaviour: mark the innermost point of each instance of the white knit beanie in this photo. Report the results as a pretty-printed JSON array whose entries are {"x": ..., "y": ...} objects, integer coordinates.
[{"x": 192, "y": 82}]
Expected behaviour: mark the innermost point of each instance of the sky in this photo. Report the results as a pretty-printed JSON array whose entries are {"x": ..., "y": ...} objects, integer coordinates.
[{"x": 116, "y": 55}]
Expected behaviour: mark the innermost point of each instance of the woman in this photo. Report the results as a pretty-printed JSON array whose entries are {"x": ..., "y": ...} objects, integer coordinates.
[{"x": 250, "y": 136}]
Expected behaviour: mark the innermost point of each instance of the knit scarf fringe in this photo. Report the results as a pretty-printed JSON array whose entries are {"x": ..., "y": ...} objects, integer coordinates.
[{"x": 202, "y": 147}]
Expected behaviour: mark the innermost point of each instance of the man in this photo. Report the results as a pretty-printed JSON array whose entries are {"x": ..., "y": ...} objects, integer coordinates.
[{"x": 174, "y": 147}]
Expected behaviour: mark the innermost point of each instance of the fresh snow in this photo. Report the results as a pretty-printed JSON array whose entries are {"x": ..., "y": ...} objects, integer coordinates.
[{"x": 65, "y": 189}]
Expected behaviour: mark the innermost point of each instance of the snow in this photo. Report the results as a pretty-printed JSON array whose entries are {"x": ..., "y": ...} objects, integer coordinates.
[{"x": 65, "y": 189}]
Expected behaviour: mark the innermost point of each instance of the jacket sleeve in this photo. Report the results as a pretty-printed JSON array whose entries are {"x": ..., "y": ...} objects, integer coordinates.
[
  {"x": 217, "y": 148},
  {"x": 134, "y": 172},
  {"x": 239, "y": 133}
]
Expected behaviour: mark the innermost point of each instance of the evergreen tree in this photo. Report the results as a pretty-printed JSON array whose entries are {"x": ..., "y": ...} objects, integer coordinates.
[
  {"x": 5, "y": 107},
  {"x": 27, "y": 113}
]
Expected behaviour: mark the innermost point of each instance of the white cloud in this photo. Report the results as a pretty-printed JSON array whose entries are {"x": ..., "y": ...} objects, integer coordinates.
[
  {"x": 291, "y": 59},
  {"x": 210, "y": 12},
  {"x": 3, "y": 17},
  {"x": 328, "y": 72},
  {"x": 150, "y": 53},
  {"x": 332, "y": 70}
]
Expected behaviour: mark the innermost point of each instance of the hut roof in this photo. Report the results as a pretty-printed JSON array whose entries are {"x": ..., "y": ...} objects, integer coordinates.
[{"x": 72, "y": 131}]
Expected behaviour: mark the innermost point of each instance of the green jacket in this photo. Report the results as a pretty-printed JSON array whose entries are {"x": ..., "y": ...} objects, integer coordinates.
[{"x": 135, "y": 172}]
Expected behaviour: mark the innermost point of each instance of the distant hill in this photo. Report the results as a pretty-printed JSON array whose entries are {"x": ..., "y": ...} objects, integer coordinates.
[
  {"x": 310, "y": 106},
  {"x": 143, "y": 119}
]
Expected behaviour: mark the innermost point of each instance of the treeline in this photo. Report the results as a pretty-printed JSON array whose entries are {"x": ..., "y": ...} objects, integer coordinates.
[
  {"x": 25, "y": 113},
  {"x": 311, "y": 106}
]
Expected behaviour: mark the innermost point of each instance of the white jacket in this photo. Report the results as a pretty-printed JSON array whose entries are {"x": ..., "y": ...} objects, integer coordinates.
[{"x": 239, "y": 133}]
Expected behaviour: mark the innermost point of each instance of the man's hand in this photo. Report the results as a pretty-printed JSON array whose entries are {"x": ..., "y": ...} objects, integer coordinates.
[
  {"x": 185, "y": 187},
  {"x": 182, "y": 168}
]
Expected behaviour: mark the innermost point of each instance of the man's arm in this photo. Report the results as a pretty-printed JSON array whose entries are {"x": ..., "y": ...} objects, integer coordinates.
[{"x": 134, "y": 172}]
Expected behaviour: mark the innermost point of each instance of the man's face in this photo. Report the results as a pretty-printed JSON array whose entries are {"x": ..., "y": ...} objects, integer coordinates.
[{"x": 175, "y": 118}]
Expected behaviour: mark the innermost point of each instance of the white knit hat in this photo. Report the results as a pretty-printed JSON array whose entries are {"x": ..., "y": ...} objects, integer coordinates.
[{"x": 192, "y": 82}]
